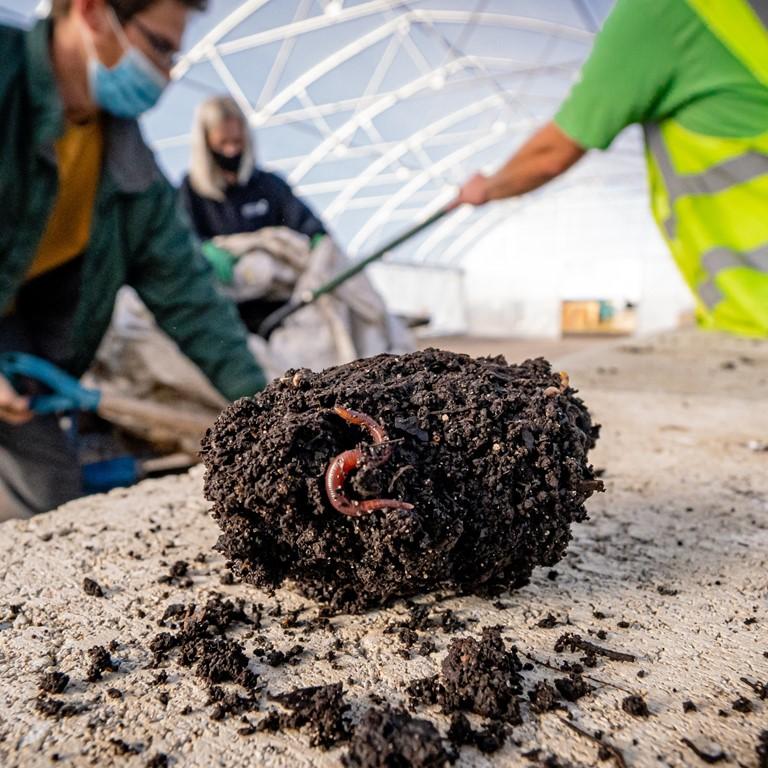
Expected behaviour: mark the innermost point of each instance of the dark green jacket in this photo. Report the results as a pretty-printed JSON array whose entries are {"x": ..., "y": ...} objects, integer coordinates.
[{"x": 138, "y": 235}]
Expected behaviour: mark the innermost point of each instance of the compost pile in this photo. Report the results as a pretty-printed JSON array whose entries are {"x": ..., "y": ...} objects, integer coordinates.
[{"x": 492, "y": 458}]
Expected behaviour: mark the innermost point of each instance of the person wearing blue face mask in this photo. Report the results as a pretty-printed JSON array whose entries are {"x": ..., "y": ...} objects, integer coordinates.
[{"x": 84, "y": 210}]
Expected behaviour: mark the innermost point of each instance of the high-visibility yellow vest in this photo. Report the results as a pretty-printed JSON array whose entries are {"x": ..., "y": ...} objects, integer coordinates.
[{"x": 709, "y": 194}]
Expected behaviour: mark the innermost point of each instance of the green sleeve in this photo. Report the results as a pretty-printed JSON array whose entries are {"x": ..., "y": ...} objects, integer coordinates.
[
  {"x": 177, "y": 285},
  {"x": 630, "y": 67}
]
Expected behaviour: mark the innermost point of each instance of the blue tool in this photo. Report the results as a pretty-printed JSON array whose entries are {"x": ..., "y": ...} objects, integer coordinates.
[{"x": 67, "y": 392}]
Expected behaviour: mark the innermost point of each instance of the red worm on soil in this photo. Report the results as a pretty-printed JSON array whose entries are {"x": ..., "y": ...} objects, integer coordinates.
[{"x": 344, "y": 463}]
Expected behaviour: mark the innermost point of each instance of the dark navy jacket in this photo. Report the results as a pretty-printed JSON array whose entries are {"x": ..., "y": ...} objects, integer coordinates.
[{"x": 265, "y": 201}]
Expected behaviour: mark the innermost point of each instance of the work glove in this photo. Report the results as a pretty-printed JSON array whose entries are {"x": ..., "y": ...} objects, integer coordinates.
[
  {"x": 316, "y": 240},
  {"x": 222, "y": 261}
]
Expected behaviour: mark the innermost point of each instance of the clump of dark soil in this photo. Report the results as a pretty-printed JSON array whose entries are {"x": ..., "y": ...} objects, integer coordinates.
[
  {"x": 489, "y": 739},
  {"x": 57, "y": 708},
  {"x": 493, "y": 458},
  {"x": 635, "y": 705},
  {"x": 481, "y": 677},
  {"x": 92, "y": 588},
  {"x": 201, "y": 642},
  {"x": 53, "y": 682},
  {"x": 762, "y": 750},
  {"x": 573, "y": 687},
  {"x": 320, "y": 709},
  {"x": 392, "y": 738},
  {"x": 100, "y": 662}
]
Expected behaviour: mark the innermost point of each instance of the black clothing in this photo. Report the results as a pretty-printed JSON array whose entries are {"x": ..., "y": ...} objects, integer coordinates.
[{"x": 265, "y": 201}]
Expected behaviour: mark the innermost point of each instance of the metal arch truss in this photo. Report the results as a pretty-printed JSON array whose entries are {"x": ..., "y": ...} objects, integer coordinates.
[{"x": 373, "y": 163}]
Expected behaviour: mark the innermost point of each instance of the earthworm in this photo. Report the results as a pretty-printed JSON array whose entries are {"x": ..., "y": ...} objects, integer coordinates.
[{"x": 344, "y": 463}]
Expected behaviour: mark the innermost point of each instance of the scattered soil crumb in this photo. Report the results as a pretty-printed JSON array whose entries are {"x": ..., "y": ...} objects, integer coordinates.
[
  {"x": 389, "y": 737},
  {"x": 762, "y": 750},
  {"x": 53, "y": 682},
  {"x": 573, "y": 687},
  {"x": 92, "y": 588},
  {"x": 57, "y": 708},
  {"x": 100, "y": 662},
  {"x": 572, "y": 642},
  {"x": 201, "y": 642},
  {"x": 320, "y": 709},
  {"x": 543, "y": 697},
  {"x": 488, "y": 740},
  {"x": 635, "y": 705}
]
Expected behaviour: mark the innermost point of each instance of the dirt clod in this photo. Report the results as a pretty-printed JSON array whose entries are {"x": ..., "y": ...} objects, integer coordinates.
[
  {"x": 480, "y": 517},
  {"x": 320, "y": 710},
  {"x": 100, "y": 662},
  {"x": 53, "y": 682},
  {"x": 635, "y": 705},
  {"x": 92, "y": 588},
  {"x": 392, "y": 738},
  {"x": 481, "y": 677},
  {"x": 488, "y": 740},
  {"x": 762, "y": 750}
]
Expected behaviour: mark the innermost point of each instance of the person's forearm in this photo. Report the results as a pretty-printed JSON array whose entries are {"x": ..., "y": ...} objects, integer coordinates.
[{"x": 546, "y": 155}]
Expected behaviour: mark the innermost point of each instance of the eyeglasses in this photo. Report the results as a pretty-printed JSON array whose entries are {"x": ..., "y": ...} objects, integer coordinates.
[{"x": 166, "y": 51}]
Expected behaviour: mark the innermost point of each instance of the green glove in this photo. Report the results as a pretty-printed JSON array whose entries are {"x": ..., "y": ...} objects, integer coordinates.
[
  {"x": 222, "y": 261},
  {"x": 316, "y": 239}
]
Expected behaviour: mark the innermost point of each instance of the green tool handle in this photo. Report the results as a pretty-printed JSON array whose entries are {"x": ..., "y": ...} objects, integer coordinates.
[{"x": 276, "y": 318}]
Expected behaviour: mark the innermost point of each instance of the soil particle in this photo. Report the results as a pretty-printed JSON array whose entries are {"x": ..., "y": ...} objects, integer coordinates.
[
  {"x": 573, "y": 643},
  {"x": 92, "y": 588},
  {"x": 158, "y": 760},
  {"x": 481, "y": 517},
  {"x": 742, "y": 704},
  {"x": 547, "y": 622},
  {"x": 573, "y": 687},
  {"x": 488, "y": 740},
  {"x": 543, "y": 697},
  {"x": 319, "y": 709},
  {"x": 201, "y": 643},
  {"x": 58, "y": 708},
  {"x": 481, "y": 677},
  {"x": 689, "y": 706},
  {"x": 392, "y": 738},
  {"x": 278, "y": 658},
  {"x": 100, "y": 662},
  {"x": 635, "y": 705},
  {"x": 229, "y": 703},
  {"x": 53, "y": 682},
  {"x": 177, "y": 574},
  {"x": 123, "y": 748},
  {"x": 762, "y": 750}
]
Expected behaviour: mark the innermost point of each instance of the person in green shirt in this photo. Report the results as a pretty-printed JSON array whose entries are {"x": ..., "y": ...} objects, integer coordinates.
[
  {"x": 84, "y": 210},
  {"x": 694, "y": 74}
]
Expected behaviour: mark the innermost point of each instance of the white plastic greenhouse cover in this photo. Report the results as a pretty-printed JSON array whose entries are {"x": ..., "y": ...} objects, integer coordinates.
[{"x": 374, "y": 110}]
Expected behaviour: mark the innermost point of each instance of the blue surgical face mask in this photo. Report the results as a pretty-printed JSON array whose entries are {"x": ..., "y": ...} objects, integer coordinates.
[{"x": 132, "y": 86}]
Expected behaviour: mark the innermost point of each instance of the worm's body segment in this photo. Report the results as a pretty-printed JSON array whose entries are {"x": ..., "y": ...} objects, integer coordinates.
[{"x": 344, "y": 463}]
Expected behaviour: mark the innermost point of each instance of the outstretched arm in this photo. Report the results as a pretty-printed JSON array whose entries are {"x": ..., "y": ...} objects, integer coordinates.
[{"x": 546, "y": 155}]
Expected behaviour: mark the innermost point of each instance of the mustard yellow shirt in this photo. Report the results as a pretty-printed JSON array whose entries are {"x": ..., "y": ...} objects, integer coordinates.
[{"x": 78, "y": 154}]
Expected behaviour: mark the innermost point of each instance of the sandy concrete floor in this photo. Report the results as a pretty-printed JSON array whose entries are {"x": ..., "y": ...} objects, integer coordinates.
[{"x": 676, "y": 550}]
